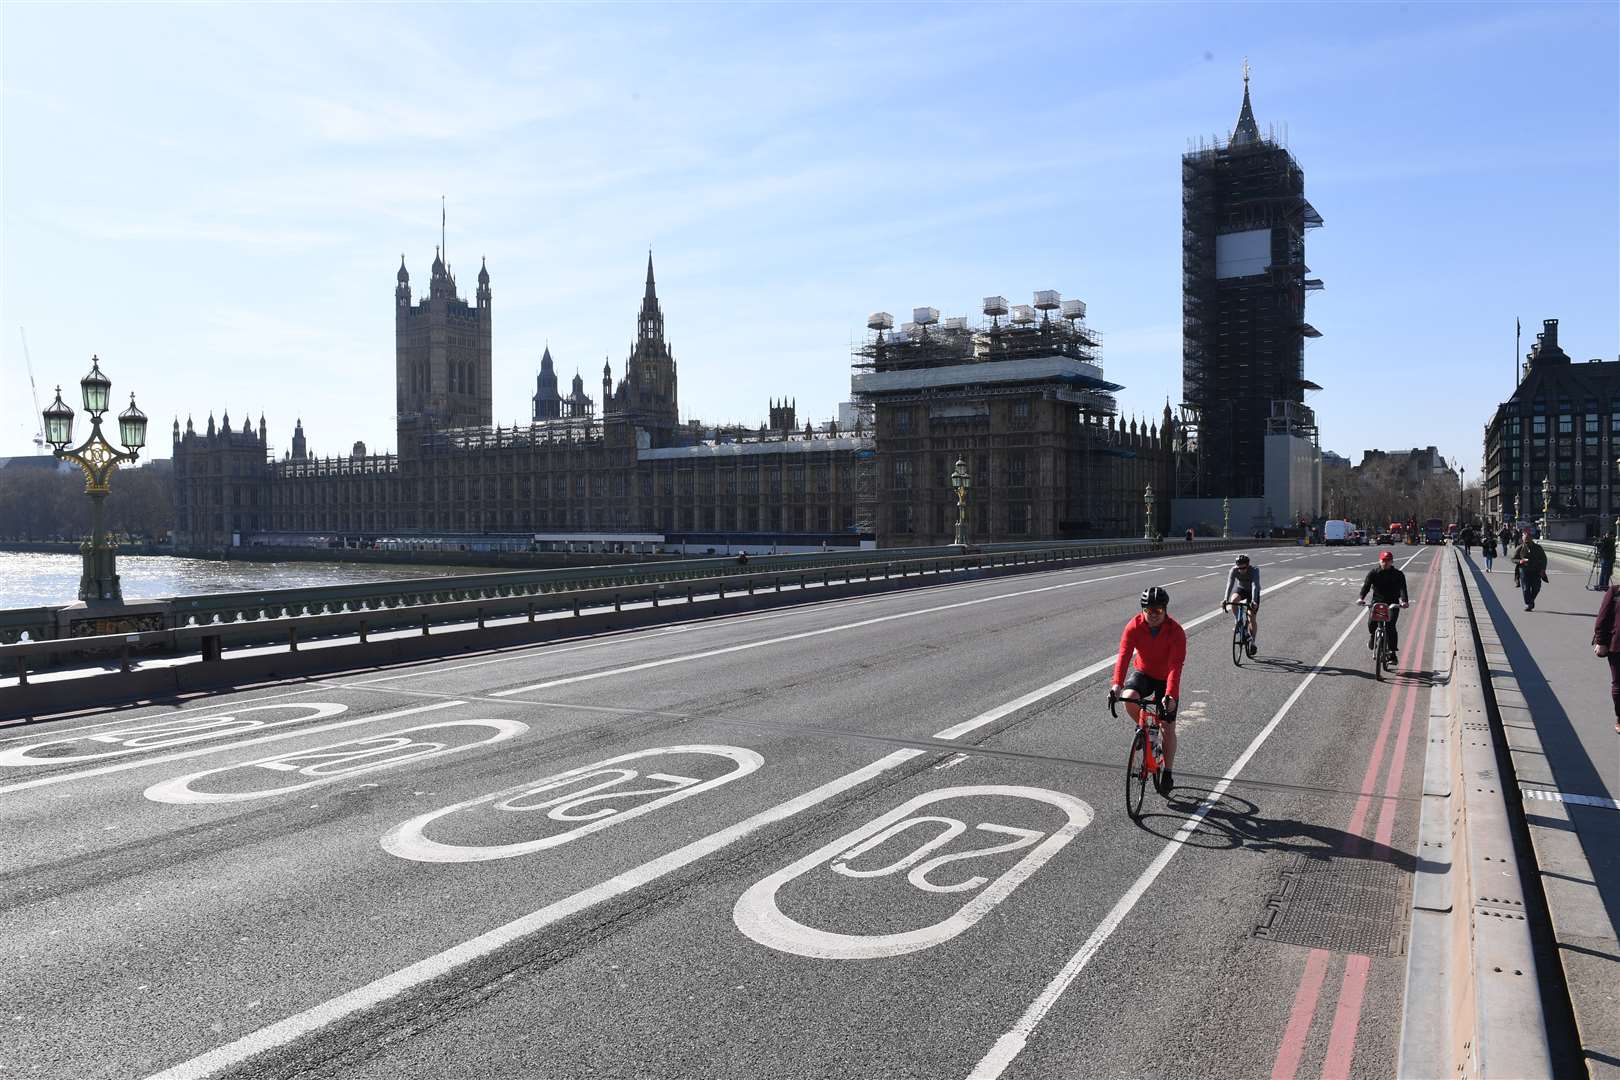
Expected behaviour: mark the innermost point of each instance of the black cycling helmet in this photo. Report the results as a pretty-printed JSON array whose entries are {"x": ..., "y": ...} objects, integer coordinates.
[
  {"x": 1155, "y": 596},
  {"x": 1241, "y": 560}
]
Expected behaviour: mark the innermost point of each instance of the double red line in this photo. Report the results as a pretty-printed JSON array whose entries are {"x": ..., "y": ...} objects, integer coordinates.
[{"x": 1403, "y": 697}]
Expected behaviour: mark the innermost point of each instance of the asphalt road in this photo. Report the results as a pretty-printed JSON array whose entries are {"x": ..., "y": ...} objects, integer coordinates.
[{"x": 881, "y": 837}]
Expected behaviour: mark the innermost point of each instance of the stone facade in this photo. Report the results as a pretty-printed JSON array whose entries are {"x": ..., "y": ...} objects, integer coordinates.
[
  {"x": 1024, "y": 405},
  {"x": 1562, "y": 424}
]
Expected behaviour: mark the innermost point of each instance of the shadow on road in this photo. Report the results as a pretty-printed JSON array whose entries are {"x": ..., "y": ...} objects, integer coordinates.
[{"x": 1234, "y": 822}]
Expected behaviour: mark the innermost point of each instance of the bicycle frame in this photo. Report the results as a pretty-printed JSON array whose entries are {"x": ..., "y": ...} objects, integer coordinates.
[
  {"x": 1378, "y": 614},
  {"x": 1149, "y": 740}
]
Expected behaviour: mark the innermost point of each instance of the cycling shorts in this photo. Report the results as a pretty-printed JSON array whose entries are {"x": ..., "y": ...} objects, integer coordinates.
[{"x": 1147, "y": 687}]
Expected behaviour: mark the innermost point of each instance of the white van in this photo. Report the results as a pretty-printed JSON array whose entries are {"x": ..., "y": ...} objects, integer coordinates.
[{"x": 1337, "y": 532}]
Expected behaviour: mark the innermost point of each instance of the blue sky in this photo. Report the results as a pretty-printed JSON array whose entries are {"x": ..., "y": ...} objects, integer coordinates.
[{"x": 214, "y": 198}]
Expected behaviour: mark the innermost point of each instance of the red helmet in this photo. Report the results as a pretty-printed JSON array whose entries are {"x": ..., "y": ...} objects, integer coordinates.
[{"x": 1386, "y": 556}]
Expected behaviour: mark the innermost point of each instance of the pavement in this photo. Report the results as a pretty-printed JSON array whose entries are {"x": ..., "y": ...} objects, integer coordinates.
[
  {"x": 1559, "y": 720},
  {"x": 877, "y": 837}
]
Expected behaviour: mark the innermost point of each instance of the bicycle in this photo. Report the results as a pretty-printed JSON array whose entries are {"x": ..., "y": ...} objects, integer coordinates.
[
  {"x": 1383, "y": 655},
  {"x": 1146, "y": 758},
  {"x": 1242, "y": 629}
]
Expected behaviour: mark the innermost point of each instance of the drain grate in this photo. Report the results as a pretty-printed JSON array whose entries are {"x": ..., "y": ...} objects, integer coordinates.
[{"x": 1338, "y": 904}]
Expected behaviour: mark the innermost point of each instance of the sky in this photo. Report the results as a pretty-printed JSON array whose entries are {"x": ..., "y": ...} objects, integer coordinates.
[{"x": 214, "y": 198}]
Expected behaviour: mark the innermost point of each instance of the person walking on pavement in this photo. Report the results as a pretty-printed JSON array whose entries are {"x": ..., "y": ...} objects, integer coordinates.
[
  {"x": 1487, "y": 548},
  {"x": 1532, "y": 563},
  {"x": 1606, "y": 643},
  {"x": 1605, "y": 555}
]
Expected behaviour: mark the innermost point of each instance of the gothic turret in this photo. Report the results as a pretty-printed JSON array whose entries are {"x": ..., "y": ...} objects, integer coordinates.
[
  {"x": 547, "y": 401},
  {"x": 300, "y": 449},
  {"x": 483, "y": 284}
]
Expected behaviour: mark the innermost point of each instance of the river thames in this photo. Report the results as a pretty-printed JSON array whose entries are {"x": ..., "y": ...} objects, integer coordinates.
[{"x": 33, "y": 579}]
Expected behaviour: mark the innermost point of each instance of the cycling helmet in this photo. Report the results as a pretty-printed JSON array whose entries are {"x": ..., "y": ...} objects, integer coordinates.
[
  {"x": 1155, "y": 596},
  {"x": 1241, "y": 560}
]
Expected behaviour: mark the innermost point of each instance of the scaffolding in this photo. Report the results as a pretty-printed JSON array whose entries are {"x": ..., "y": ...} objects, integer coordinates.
[
  {"x": 1243, "y": 328},
  {"x": 1007, "y": 332}
]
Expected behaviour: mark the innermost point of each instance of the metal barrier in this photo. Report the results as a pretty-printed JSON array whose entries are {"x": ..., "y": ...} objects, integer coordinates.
[{"x": 294, "y": 617}]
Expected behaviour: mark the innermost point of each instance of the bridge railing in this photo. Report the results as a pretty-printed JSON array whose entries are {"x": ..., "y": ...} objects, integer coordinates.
[{"x": 291, "y": 617}]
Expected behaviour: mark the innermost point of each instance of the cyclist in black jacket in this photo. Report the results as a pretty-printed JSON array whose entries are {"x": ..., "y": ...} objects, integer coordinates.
[{"x": 1388, "y": 586}]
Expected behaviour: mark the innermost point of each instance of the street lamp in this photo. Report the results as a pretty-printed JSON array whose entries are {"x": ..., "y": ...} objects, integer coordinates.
[
  {"x": 1147, "y": 506},
  {"x": 99, "y": 459},
  {"x": 961, "y": 482}
]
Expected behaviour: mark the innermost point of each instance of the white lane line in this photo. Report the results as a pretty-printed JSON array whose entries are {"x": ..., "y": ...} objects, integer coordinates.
[
  {"x": 648, "y": 665},
  {"x": 375, "y": 993},
  {"x": 1010, "y": 1045},
  {"x": 390, "y": 986},
  {"x": 1578, "y": 800},
  {"x": 103, "y": 770}
]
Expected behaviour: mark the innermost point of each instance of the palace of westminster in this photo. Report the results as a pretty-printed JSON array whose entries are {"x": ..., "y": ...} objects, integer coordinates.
[
  {"x": 1018, "y": 396},
  {"x": 1020, "y": 399}
]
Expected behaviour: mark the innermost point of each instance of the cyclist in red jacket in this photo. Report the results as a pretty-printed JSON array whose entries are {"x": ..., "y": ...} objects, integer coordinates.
[{"x": 1160, "y": 647}]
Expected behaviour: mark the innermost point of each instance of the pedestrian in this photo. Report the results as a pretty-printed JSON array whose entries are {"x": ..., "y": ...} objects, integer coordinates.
[
  {"x": 1189, "y": 536},
  {"x": 1532, "y": 563},
  {"x": 1606, "y": 644},
  {"x": 1605, "y": 555},
  {"x": 1487, "y": 548}
]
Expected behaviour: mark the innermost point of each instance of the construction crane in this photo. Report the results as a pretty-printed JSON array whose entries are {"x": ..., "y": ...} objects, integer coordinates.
[{"x": 39, "y": 429}]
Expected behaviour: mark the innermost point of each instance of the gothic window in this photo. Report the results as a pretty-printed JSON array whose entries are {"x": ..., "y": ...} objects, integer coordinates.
[
  {"x": 902, "y": 477},
  {"x": 1016, "y": 469},
  {"x": 1017, "y": 519},
  {"x": 902, "y": 422},
  {"x": 1566, "y": 423},
  {"x": 1538, "y": 426}
]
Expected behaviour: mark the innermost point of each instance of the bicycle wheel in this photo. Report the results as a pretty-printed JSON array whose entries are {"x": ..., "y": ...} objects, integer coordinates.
[
  {"x": 1238, "y": 644},
  {"x": 1136, "y": 775},
  {"x": 1378, "y": 653}
]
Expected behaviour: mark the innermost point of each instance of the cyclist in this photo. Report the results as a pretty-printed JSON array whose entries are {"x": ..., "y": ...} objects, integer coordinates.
[
  {"x": 1160, "y": 647},
  {"x": 1243, "y": 587},
  {"x": 1388, "y": 586}
]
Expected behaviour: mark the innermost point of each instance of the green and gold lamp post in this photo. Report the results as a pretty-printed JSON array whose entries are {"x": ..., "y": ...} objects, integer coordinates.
[
  {"x": 962, "y": 483},
  {"x": 99, "y": 459}
]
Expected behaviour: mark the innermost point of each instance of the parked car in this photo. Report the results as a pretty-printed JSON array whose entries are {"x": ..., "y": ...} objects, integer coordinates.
[{"x": 1386, "y": 538}]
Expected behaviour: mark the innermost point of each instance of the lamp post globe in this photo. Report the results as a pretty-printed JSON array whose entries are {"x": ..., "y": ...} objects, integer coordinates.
[
  {"x": 97, "y": 388},
  {"x": 58, "y": 422},
  {"x": 132, "y": 426}
]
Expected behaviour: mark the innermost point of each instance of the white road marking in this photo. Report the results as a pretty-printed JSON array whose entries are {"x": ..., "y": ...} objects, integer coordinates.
[
  {"x": 390, "y": 986},
  {"x": 375, "y": 993},
  {"x": 161, "y": 733},
  {"x": 759, "y": 917},
  {"x": 183, "y": 755},
  {"x": 725, "y": 650},
  {"x": 338, "y": 761},
  {"x": 408, "y": 840},
  {"x": 1010, "y": 1045},
  {"x": 1577, "y": 800},
  {"x": 953, "y": 762}
]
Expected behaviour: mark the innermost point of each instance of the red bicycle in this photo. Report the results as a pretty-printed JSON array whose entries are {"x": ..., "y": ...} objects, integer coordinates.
[
  {"x": 1383, "y": 655},
  {"x": 1146, "y": 758}
]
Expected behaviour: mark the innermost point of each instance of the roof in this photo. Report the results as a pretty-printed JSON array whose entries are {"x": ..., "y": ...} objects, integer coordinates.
[
  {"x": 1063, "y": 369},
  {"x": 837, "y": 444}
]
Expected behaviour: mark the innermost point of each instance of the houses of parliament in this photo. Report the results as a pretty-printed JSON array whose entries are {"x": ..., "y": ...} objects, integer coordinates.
[{"x": 1020, "y": 399}]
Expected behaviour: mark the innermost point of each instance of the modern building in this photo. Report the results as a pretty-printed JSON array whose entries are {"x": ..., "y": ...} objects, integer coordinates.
[
  {"x": 1561, "y": 426},
  {"x": 1244, "y": 283}
]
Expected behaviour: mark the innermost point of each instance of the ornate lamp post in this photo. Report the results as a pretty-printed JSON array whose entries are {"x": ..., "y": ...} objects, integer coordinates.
[
  {"x": 1226, "y": 518},
  {"x": 1546, "y": 505},
  {"x": 961, "y": 482},
  {"x": 1147, "y": 503},
  {"x": 99, "y": 460}
]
